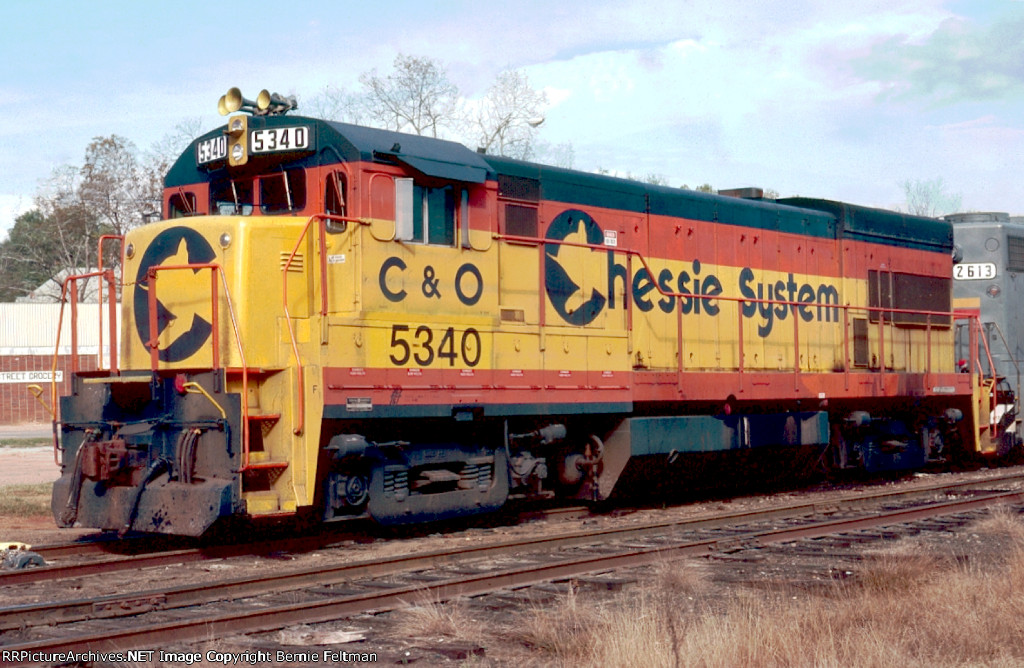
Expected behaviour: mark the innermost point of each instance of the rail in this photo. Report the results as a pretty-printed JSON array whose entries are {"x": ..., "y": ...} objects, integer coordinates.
[{"x": 609, "y": 550}]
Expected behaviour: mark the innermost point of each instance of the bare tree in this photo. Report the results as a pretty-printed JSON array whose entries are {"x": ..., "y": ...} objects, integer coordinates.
[
  {"x": 505, "y": 122},
  {"x": 162, "y": 155},
  {"x": 929, "y": 198},
  {"x": 559, "y": 155},
  {"x": 338, "y": 104},
  {"x": 417, "y": 97}
]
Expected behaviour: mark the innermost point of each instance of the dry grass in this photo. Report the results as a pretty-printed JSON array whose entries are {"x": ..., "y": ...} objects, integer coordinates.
[
  {"x": 562, "y": 631},
  {"x": 430, "y": 618},
  {"x": 1003, "y": 521},
  {"x": 25, "y": 500},
  {"x": 901, "y": 609}
]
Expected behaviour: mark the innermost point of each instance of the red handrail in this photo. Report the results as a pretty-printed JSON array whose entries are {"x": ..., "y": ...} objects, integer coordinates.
[
  {"x": 112, "y": 324},
  {"x": 154, "y": 341},
  {"x": 846, "y": 308},
  {"x": 72, "y": 281},
  {"x": 322, "y": 219}
]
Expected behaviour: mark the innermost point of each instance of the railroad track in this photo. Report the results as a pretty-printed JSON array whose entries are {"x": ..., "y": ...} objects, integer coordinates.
[
  {"x": 126, "y": 561},
  {"x": 447, "y": 574},
  {"x": 110, "y": 545}
]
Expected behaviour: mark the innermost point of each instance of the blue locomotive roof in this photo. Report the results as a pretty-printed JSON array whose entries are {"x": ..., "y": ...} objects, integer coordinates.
[
  {"x": 449, "y": 160},
  {"x": 797, "y": 215},
  {"x": 433, "y": 157},
  {"x": 882, "y": 226},
  {"x": 342, "y": 141},
  {"x": 573, "y": 187}
]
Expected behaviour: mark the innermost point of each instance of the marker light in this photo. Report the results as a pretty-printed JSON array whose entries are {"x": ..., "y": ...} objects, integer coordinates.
[{"x": 238, "y": 140}]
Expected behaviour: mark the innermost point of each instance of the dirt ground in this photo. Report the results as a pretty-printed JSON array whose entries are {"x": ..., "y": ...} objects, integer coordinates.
[{"x": 27, "y": 466}]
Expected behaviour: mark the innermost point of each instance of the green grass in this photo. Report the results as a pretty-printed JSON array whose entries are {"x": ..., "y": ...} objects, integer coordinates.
[
  {"x": 25, "y": 442},
  {"x": 25, "y": 500}
]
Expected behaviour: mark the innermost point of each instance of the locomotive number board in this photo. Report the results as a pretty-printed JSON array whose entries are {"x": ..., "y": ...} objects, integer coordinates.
[
  {"x": 974, "y": 271},
  {"x": 212, "y": 149},
  {"x": 279, "y": 139}
]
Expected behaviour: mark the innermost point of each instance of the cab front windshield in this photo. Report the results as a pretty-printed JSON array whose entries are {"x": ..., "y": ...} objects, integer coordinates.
[{"x": 283, "y": 191}]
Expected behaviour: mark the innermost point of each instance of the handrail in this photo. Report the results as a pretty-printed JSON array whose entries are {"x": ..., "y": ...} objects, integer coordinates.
[
  {"x": 991, "y": 383},
  {"x": 1016, "y": 366},
  {"x": 154, "y": 342},
  {"x": 322, "y": 218},
  {"x": 108, "y": 276},
  {"x": 112, "y": 324},
  {"x": 882, "y": 311}
]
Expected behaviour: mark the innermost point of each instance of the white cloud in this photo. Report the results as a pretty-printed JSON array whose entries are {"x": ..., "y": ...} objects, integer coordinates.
[{"x": 787, "y": 95}]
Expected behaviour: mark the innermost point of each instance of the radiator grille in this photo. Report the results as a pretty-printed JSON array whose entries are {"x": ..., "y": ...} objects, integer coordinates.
[{"x": 1015, "y": 253}]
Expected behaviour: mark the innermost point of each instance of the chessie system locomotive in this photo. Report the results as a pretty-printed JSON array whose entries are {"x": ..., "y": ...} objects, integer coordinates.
[{"x": 340, "y": 322}]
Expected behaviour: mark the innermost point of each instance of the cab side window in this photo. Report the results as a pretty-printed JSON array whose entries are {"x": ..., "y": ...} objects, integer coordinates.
[
  {"x": 181, "y": 204},
  {"x": 335, "y": 197},
  {"x": 424, "y": 214},
  {"x": 335, "y": 201}
]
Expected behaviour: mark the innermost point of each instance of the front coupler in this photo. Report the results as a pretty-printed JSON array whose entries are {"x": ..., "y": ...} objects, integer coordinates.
[{"x": 153, "y": 453}]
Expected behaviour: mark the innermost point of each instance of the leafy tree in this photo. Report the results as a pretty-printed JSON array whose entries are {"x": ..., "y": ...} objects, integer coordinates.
[
  {"x": 110, "y": 193},
  {"x": 48, "y": 246}
]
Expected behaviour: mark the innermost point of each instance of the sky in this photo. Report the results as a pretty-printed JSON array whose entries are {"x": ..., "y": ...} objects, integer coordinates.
[{"x": 844, "y": 101}]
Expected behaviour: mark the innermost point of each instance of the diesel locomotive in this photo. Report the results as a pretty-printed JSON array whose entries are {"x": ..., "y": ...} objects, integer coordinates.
[
  {"x": 989, "y": 260},
  {"x": 337, "y": 322}
]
